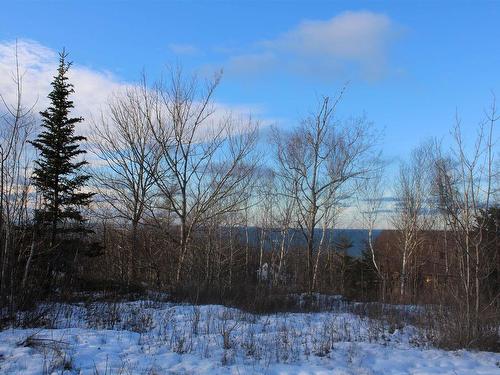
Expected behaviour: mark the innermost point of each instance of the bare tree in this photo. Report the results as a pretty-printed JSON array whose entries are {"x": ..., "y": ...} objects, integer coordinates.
[
  {"x": 123, "y": 142},
  {"x": 466, "y": 183},
  {"x": 370, "y": 204},
  {"x": 16, "y": 125},
  {"x": 412, "y": 214},
  {"x": 205, "y": 159},
  {"x": 266, "y": 220},
  {"x": 284, "y": 219},
  {"x": 317, "y": 160},
  {"x": 331, "y": 212}
]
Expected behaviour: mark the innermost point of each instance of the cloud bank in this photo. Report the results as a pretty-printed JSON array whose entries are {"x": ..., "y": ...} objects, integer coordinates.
[
  {"x": 38, "y": 64},
  {"x": 349, "y": 44},
  {"x": 183, "y": 49},
  {"x": 93, "y": 88}
]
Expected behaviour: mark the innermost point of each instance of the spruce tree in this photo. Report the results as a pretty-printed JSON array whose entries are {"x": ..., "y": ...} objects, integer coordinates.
[{"x": 58, "y": 173}]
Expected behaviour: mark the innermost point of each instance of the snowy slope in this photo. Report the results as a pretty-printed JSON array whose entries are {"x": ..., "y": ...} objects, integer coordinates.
[{"x": 161, "y": 338}]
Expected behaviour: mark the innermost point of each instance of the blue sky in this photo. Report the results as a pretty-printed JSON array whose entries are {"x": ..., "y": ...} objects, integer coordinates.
[{"x": 410, "y": 65}]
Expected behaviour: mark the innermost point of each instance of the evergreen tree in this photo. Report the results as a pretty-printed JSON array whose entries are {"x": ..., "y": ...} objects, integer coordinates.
[{"x": 58, "y": 171}]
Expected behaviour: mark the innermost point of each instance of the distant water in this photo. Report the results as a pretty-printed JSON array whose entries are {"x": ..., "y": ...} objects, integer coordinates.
[{"x": 357, "y": 237}]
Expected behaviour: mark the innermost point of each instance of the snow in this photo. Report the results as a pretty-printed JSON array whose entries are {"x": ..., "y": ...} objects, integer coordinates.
[{"x": 145, "y": 337}]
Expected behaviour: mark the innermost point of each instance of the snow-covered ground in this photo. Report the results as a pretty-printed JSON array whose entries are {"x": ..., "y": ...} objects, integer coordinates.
[{"x": 161, "y": 338}]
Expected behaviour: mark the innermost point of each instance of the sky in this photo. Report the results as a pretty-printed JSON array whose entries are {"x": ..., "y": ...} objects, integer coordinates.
[{"x": 410, "y": 67}]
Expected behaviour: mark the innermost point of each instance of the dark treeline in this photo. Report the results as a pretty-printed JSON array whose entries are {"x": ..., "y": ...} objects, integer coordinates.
[{"x": 170, "y": 194}]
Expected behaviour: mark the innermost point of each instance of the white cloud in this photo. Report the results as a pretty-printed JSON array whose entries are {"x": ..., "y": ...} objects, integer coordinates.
[
  {"x": 253, "y": 62},
  {"x": 38, "y": 64},
  {"x": 93, "y": 88},
  {"x": 183, "y": 49},
  {"x": 351, "y": 43}
]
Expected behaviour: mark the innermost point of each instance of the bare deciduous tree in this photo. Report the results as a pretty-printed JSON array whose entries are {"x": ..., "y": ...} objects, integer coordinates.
[
  {"x": 466, "y": 183},
  {"x": 16, "y": 125},
  {"x": 369, "y": 203},
  {"x": 123, "y": 142},
  {"x": 412, "y": 215},
  {"x": 284, "y": 219},
  {"x": 317, "y": 160},
  {"x": 205, "y": 159}
]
